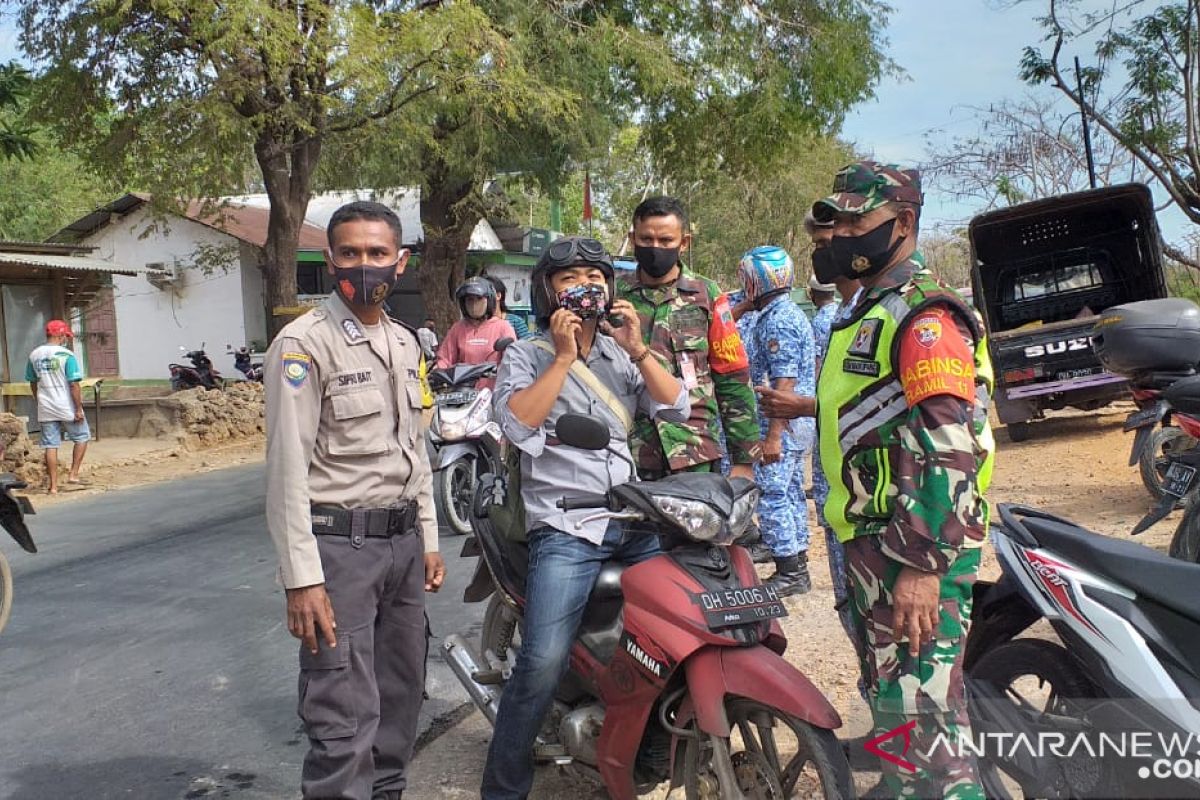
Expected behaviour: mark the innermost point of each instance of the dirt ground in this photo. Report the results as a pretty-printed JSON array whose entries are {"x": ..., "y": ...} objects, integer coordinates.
[
  {"x": 120, "y": 463},
  {"x": 1075, "y": 465}
]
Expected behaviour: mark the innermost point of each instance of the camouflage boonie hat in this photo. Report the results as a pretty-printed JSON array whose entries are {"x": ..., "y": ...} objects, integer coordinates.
[{"x": 864, "y": 186}]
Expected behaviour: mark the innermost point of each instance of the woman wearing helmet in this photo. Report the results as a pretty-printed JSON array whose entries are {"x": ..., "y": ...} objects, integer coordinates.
[
  {"x": 516, "y": 320},
  {"x": 783, "y": 357},
  {"x": 472, "y": 340}
]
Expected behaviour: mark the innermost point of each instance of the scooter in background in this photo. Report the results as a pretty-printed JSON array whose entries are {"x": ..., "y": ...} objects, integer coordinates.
[{"x": 200, "y": 373}]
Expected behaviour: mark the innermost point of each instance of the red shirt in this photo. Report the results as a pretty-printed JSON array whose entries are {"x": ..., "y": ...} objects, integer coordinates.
[{"x": 471, "y": 342}]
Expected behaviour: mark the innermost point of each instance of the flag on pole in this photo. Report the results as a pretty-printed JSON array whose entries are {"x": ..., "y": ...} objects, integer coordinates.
[{"x": 587, "y": 199}]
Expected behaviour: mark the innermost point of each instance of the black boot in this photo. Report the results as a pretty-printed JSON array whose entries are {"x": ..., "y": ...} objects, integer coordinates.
[
  {"x": 791, "y": 575},
  {"x": 760, "y": 553}
]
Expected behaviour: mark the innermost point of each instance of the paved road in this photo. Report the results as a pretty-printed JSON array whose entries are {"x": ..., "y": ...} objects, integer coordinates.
[{"x": 147, "y": 658}]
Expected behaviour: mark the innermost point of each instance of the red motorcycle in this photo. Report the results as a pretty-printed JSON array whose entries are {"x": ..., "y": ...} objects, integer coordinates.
[{"x": 677, "y": 673}]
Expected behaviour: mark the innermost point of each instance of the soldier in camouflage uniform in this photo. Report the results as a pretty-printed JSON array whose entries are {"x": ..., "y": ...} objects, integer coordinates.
[
  {"x": 687, "y": 322},
  {"x": 905, "y": 442}
]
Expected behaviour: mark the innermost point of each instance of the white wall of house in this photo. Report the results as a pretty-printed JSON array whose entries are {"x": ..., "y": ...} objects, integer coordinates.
[
  {"x": 254, "y": 309},
  {"x": 152, "y": 323}
]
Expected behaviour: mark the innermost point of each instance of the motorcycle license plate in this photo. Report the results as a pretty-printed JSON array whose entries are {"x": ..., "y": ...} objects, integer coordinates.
[
  {"x": 724, "y": 608},
  {"x": 1178, "y": 480},
  {"x": 459, "y": 398}
]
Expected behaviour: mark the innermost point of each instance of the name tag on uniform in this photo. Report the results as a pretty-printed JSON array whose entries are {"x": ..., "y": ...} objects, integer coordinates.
[
  {"x": 354, "y": 377},
  {"x": 687, "y": 372},
  {"x": 858, "y": 366}
]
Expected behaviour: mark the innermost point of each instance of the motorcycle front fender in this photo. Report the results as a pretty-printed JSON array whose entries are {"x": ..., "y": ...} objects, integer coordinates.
[
  {"x": 755, "y": 673},
  {"x": 449, "y": 453},
  {"x": 1000, "y": 612}
]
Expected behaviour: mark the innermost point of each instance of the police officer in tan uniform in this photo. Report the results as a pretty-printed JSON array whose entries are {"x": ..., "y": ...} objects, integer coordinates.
[{"x": 350, "y": 510}]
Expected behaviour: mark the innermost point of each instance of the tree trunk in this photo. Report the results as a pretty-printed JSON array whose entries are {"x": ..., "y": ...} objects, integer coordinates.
[
  {"x": 287, "y": 160},
  {"x": 447, "y": 222}
]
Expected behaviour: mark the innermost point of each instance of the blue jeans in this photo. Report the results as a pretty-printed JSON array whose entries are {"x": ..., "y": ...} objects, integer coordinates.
[{"x": 562, "y": 572}]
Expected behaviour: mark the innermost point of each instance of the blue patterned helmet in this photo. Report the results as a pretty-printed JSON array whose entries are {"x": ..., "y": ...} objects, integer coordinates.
[{"x": 765, "y": 270}]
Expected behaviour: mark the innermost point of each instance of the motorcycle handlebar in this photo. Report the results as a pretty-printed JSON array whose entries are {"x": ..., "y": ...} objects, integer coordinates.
[{"x": 590, "y": 500}]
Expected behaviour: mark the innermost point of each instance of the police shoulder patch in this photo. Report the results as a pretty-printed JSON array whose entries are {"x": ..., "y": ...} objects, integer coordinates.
[{"x": 296, "y": 367}]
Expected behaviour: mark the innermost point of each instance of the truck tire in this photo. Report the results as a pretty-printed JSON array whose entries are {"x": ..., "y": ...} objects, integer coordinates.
[{"x": 1018, "y": 431}]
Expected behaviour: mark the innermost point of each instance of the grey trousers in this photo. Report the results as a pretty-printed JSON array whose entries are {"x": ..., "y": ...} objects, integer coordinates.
[{"x": 359, "y": 701}]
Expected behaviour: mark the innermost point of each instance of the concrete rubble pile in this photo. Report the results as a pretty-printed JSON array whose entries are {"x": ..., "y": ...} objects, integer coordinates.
[{"x": 211, "y": 417}]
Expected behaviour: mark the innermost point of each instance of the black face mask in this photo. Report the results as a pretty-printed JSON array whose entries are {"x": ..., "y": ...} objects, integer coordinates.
[
  {"x": 823, "y": 266},
  {"x": 656, "y": 261},
  {"x": 866, "y": 254},
  {"x": 365, "y": 286}
]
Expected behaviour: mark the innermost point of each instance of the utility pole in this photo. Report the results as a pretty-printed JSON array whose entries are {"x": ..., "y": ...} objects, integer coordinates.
[{"x": 1087, "y": 132}]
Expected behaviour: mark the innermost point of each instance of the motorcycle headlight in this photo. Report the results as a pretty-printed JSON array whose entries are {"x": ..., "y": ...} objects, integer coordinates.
[
  {"x": 743, "y": 512},
  {"x": 453, "y": 430},
  {"x": 696, "y": 519}
]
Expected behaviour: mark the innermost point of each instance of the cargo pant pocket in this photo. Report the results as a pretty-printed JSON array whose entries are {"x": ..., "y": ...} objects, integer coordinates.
[{"x": 327, "y": 705}]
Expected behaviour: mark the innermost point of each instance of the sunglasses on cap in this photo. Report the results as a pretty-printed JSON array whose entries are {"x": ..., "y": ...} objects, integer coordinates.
[{"x": 573, "y": 251}]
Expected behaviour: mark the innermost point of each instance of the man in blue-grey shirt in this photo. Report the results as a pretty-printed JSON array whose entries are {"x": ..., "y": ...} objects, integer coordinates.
[{"x": 539, "y": 381}]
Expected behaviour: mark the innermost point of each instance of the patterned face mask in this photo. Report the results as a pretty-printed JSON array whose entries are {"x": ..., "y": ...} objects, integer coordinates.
[{"x": 586, "y": 300}]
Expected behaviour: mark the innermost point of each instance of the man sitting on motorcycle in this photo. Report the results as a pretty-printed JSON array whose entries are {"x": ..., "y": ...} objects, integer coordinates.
[
  {"x": 472, "y": 340},
  {"x": 579, "y": 363}
]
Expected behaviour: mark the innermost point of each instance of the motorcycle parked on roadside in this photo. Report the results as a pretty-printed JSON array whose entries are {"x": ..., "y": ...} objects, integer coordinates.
[
  {"x": 1125, "y": 663},
  {"x": 462, "y": 414},
  {"x": 677, "y": 673},
  {"x": 1155, "y": 344},
  {"x": 243, "y": 363},
  {"x": 12, "y": 518},
  {"x": 200, "y": 373}
]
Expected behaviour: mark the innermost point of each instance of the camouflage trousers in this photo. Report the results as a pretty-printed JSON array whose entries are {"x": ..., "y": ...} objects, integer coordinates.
[
  {"x": 917, "y": 704},
  {"x": 783, "y": 508}
]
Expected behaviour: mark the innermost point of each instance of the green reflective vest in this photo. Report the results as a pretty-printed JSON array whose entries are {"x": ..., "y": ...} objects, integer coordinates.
[{"x": 861, "y": 407}]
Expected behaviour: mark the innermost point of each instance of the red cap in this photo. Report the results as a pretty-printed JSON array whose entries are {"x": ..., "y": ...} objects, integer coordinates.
[{"x": 56, "y": 327}]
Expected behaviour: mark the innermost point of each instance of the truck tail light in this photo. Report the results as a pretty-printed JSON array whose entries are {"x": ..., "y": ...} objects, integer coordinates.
[{"x": 1012, "y": 376}]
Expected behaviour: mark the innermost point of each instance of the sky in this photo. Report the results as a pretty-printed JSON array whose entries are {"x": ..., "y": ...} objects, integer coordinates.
[{"x": 955, "y": 54}]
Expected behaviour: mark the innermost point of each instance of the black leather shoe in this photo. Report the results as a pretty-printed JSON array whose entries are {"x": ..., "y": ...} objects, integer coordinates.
[{"x": 791, "y": 576}]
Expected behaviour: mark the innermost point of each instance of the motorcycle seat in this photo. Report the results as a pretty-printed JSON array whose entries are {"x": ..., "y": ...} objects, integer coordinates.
[
  {"x": 1184, "y": 395},
  {"x": 1167, "y": 581}
]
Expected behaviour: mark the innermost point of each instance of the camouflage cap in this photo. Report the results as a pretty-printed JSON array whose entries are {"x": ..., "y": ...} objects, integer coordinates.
[{"x": 864, "y": 186}]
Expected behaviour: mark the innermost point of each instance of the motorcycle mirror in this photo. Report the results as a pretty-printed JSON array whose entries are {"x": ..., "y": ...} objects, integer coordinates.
[
  {"x": 586, "y": 433},
  {"x": 502, "y": 344}
]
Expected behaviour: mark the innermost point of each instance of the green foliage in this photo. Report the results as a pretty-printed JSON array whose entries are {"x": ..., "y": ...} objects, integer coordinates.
[
  {"x": 42, "y": 193},
  {"x": 16, "y": 137},
  {"x": 1143, "y": 88}
]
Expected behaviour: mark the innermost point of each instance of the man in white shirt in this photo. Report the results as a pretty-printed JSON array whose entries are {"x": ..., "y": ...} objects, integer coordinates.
[{"x": 54, "y": 375}]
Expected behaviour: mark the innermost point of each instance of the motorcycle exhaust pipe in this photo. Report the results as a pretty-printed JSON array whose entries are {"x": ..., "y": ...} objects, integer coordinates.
[{"x": 461, "y": 658}]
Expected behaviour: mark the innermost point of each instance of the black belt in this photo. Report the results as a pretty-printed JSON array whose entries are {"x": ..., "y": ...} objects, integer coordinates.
[{"x": 357, "y": 523}]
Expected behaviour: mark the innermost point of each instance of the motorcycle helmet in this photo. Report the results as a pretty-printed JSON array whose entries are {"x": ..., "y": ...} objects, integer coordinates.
[
  {"x": 476, "y": 287},
  {"x": 570, "y": 251},
  {"x": 764, "y": 271}
]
